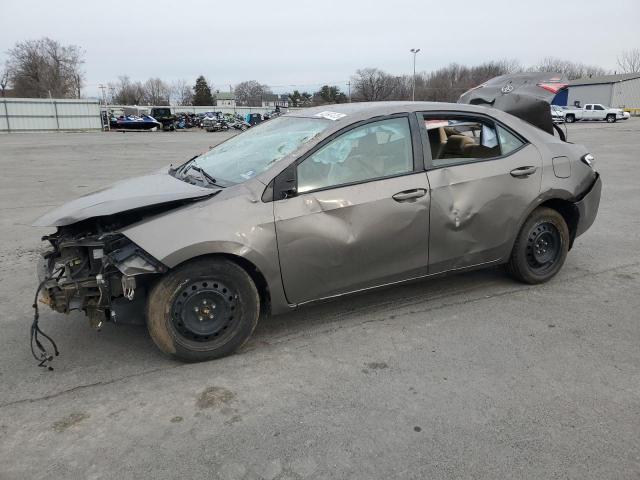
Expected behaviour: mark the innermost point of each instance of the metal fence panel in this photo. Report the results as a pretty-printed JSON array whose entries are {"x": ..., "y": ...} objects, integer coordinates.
[{"x": 33, "y": 114}]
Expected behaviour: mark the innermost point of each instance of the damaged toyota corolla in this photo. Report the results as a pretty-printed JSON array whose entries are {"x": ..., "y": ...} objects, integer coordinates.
[{"x": 320, "y": 203}]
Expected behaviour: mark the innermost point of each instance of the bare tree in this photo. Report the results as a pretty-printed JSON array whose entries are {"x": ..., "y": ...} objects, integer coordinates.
[
  {"x": 448, "y": 83},
  {"x": 251, "y": 93},
  {"x": 156, "y": 92},
  {"x": 373, "y": 84},
  {"x": 629, "y": 61},
  {"x": 181, "y": 93},
  {"x": 40, "y": 68},
  {"x": 4, "y": 79},
  {"x": 571, "y": 69},
  {"x": 127, "y": 92}
]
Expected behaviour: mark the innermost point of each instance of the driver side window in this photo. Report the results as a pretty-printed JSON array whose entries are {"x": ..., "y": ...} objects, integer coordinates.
[{"x": 375, "y": 150}]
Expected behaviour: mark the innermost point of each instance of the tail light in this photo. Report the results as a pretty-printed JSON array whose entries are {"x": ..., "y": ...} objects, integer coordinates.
[{"x": 552, "y": 86}]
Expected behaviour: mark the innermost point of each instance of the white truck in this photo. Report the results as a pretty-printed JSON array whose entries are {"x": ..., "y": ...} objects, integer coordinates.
[{"x": 594, "y": 111}]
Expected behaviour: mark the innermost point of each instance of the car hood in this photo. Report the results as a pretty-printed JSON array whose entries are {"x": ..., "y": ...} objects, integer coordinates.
[
  {"x": 524, "y": 95},
  {"x": 130, "y": 194}
]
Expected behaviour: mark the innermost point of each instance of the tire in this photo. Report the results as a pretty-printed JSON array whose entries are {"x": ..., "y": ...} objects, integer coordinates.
[
  {"x": 569, "y": 118},
  {"x": 204, "y": 309},
  {"x": 611, "y": 118},
  {"x": 540, "y": 248}
]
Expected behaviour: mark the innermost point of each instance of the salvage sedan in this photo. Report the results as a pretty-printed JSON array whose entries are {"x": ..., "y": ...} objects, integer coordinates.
[{"x": 314, "y": 204}]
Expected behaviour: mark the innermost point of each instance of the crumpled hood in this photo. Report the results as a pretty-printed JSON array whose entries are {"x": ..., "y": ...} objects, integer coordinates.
[
  {"x": 130, "y": 194},
  {"x": 523, "y": 95}
]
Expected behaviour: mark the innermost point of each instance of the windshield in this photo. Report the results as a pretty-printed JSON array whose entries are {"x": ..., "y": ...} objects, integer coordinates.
[{"x": 256, "y": 150}]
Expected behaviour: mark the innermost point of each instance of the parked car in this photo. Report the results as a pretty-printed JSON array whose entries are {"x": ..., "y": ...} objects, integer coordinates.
[
  {"x": 165, "y": 117},
  {"x": 316, "y": 204},
  {"x": 557, "y": 114},
  {"x": 594, "y": 111}
]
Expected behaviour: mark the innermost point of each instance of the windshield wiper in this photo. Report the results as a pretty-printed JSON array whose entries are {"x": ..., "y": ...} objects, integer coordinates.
[
  {"x": 205, "y": 177},
  {"x": 208, "y": 178}
]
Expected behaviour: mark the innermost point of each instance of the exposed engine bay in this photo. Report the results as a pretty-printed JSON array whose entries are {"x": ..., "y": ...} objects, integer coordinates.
[{"x": 93, "y": 269}]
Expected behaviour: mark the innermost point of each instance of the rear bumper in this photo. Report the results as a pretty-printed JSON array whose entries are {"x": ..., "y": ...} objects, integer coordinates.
[{"x": 588, "y": 207}]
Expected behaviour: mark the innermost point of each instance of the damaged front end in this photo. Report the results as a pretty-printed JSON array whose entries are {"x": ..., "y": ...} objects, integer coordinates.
[{"x": 104, "y": 275}]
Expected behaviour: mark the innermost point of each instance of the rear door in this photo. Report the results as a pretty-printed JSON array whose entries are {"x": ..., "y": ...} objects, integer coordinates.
[
  {"x": 360, "y": 214},
  {"x": 483, "y": 178},
  {"x": 599, "y": 112},
  {"x": 588, "y": 113}
]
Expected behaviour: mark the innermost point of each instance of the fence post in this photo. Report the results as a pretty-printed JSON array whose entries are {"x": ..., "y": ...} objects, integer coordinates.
[
  {"x": 6, "y": 115},
  {"x": 55, "y": 109}
]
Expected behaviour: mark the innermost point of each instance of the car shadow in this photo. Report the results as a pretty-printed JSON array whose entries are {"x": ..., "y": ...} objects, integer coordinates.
[
  {"x": 123, "y": 344},
  {"x": 381, "y": 303}
]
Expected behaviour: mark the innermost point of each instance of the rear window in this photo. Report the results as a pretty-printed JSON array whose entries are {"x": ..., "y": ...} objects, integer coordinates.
[{"x": 458, "y": 139}]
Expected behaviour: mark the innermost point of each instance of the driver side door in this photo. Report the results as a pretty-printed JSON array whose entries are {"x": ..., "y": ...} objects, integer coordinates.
[{"x": 359, "y": 215}]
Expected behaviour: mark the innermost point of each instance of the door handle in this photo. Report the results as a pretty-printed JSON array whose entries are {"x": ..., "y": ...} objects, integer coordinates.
[
  {"x": 523, "y": 171},
  {"x": 409, "y": 194}
]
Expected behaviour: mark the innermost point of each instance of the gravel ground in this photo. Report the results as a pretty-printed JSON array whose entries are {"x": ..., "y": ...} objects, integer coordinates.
[{"x": 469, "y": 376}]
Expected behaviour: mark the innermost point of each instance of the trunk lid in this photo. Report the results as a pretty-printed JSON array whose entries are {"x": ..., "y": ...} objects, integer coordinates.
[{"x": 524, "y": 95}]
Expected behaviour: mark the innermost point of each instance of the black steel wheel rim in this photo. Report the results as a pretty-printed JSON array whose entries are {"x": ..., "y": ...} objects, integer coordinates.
[
  {"x": 544, "y": 246},
  {"x": 204, "y": 310}
]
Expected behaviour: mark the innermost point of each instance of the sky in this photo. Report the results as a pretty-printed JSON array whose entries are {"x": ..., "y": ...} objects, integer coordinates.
[{"x": 291, "y": 44}]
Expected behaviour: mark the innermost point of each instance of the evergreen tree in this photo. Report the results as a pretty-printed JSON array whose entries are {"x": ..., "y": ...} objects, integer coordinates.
[{"x": 202, "y": 92}]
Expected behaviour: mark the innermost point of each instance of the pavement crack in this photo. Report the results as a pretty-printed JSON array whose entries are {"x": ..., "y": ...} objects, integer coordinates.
[{"x": 85, "y": 386}]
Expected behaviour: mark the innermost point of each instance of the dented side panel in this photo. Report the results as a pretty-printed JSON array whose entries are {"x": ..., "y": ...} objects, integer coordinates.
[
  {"x": 476, "y": 209},
  {"x": 236, "y": 222},
  {"x": 353, "y": 237}
]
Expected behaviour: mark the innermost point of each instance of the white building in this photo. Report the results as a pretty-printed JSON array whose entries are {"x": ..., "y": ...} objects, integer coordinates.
[
  {"x": 224, "y": 99},
  {"x": 622, "y": 91}
]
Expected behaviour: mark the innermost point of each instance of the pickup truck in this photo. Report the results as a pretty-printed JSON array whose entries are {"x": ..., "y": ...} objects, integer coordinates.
[{"x": 594, "y": 111}]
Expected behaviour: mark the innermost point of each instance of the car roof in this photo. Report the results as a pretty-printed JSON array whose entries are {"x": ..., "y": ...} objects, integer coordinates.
[{"x": 353, "y": 112}]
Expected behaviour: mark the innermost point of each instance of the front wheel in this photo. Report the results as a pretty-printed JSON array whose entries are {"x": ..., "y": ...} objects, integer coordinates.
[
  {"x": 569, "y": 118},
  {"x": 541, "y": 247},
  {"x": 204, "y": 309},
  {"x": 611, "y": 118}
]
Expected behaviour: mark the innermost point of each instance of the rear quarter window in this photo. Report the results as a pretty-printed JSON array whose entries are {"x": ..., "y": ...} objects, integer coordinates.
[{"x": 508, "y": 141}]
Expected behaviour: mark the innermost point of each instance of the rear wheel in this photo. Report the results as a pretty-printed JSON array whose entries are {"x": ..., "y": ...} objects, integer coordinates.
[
  {"x": 202, "y": 310},
  {"x": 611, "y": 118},
  {"x": 541, "y": 247},
  {"x": 570, "y": 118}
]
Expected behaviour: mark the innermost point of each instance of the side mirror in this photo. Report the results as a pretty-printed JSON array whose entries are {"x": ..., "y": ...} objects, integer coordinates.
[{"x": 286, "y": 183}]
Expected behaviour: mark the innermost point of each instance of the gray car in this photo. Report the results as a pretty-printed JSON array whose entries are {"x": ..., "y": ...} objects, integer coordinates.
[{"x": 318, "y": 203}]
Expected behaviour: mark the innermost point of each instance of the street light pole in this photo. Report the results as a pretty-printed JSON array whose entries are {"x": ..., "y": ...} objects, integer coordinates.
[{"x": 413, "y": 90}]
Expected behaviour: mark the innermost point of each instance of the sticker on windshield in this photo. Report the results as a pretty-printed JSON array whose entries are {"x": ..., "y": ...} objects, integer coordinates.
[
  {"x": 248, "y": 174},
  {"x": 331, "y": 115}
]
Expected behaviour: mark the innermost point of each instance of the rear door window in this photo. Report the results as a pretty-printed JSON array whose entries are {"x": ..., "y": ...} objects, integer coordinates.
[{"x": 459, "y": 139}]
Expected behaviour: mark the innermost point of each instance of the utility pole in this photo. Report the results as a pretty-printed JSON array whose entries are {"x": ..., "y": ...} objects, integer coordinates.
[
  {"x": 413, "y": 90},
  {"x": 349, "y": 87},
  {"x": 105, "y": 119},
  {"x": 104, "y": 95}
]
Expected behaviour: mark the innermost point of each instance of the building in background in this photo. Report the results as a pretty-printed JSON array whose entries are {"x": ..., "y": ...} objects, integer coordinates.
[
  {"x": 621, "y": 91},
  {"x": 269, "y": 100},
  {"x": 224, "y": 99},
  {"x": 283, "y": 101}
]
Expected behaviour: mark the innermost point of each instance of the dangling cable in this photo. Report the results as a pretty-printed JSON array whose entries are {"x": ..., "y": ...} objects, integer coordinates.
[{"x": 43, "y": 357}]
